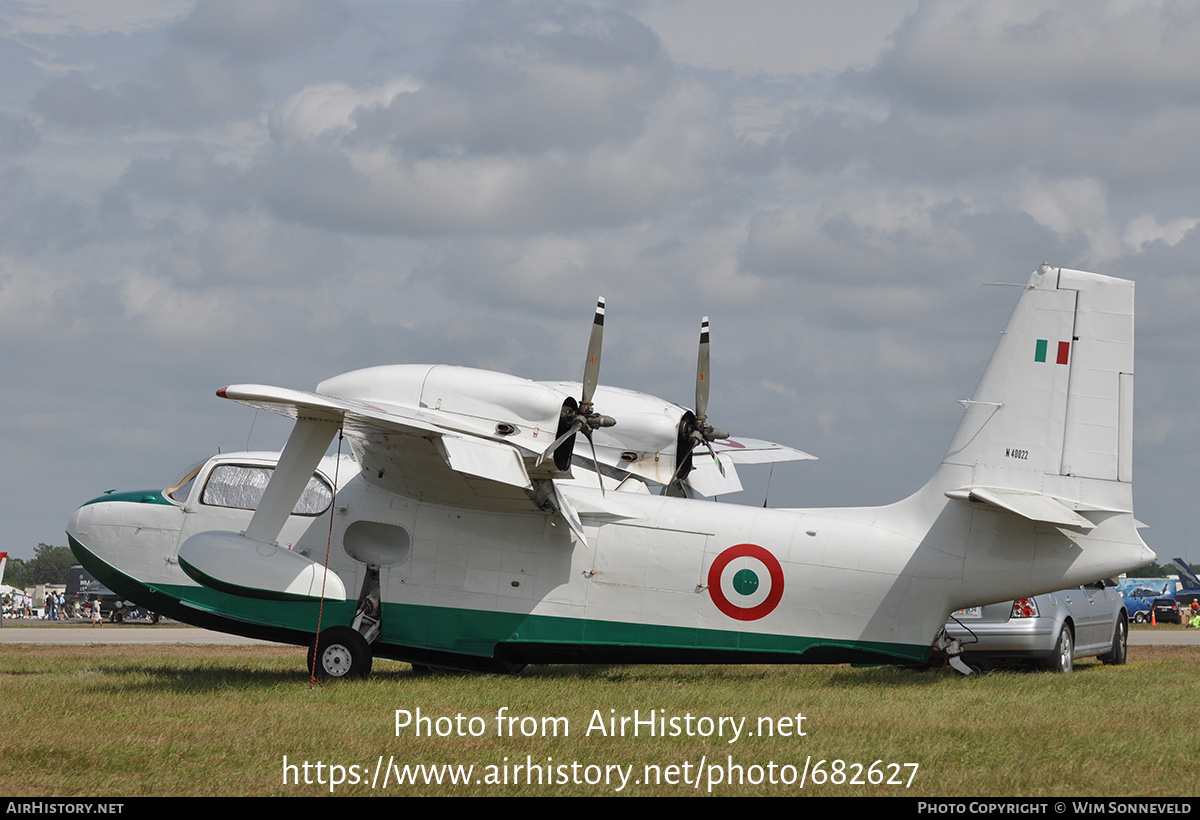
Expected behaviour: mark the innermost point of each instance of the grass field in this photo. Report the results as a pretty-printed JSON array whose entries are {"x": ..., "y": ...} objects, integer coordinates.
[{"x": 171, "y": 720}]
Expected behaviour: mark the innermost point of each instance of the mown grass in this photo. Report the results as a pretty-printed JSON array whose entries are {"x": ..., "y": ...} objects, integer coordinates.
[{"x": 174, "y": 720}]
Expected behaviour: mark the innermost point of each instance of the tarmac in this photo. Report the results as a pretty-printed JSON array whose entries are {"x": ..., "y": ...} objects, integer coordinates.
[
  {"x": 83, "y": 634},
  {"x": 50, "y": 633}
]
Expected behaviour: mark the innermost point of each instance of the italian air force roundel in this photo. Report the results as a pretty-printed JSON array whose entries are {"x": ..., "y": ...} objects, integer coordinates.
[{"x": 746, "y": 582}]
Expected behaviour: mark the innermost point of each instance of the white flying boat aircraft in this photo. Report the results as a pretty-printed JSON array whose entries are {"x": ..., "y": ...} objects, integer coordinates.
[{"x": 466, "y": 531}]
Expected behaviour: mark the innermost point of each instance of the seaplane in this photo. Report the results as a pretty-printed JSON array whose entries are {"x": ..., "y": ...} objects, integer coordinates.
[{"x": 457, "y": 521}]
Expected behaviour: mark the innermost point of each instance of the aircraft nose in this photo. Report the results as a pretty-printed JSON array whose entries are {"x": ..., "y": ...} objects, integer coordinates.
[{"x": 77, "y": 524}]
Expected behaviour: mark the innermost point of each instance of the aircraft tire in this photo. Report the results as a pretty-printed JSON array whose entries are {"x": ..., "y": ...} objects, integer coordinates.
[
  {"x": 339, "y": 653},
  {"x": 980, "y": 665},
  {"x": 1120, "y": 645},
  {"x": 1062, "y": 660}
]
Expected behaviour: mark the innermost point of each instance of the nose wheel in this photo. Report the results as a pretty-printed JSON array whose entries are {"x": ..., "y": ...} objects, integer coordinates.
[{"x": 339, "y": 653}]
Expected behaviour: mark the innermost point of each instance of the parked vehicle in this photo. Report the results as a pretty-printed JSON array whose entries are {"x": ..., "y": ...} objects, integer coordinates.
[
  {"x": 1051, "y": 630},
  {"x": 1166, "y": 611},
  {"x": 1140, "y": 594}
]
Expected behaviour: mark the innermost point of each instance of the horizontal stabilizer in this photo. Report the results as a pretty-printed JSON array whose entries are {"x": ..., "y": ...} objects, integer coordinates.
[
  {"x": 755, "y": 451},
  {"x": 1034, "y": 506}
]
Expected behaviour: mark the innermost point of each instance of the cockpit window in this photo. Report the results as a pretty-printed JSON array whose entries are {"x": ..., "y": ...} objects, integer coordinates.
[
  {"x": 242, "y": 487},
  {"x": 181, "y": 487}
]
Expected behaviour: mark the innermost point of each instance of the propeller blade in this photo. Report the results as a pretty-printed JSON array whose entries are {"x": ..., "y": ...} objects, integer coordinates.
[
  {"x": 713, "y": 453},
  {"x": 591, "y": 368},
  {"x": 694, "y": 430},
  {"x": 702, "y": 362},
  {"x": 596, "y": 461},
  {"x": 549, "y": 451}
]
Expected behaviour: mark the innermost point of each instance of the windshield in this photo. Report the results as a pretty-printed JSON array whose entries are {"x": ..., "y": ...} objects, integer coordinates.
[{"x": 179, "y": 489}]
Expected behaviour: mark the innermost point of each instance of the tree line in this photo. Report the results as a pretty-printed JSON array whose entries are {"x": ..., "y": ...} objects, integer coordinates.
[{"x": 49, "y": 565}]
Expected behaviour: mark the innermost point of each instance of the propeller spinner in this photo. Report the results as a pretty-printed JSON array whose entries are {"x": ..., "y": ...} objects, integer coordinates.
[
  {"x": 694, "y": 429},
  {"x": 581, "y": 416}
]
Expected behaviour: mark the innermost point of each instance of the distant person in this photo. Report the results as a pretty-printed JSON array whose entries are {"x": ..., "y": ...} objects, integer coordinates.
[{"x": 96, "y": 613}]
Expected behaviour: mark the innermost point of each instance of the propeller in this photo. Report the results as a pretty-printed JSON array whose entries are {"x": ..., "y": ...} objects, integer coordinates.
[
  {"x": 694, "y": 429},
  {"x": 581, "y": 416}
]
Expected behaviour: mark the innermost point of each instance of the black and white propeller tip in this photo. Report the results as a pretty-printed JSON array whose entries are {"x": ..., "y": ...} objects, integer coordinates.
[
  {"x": 694, "y": 429},
  {"x": 580, "y": 416}
]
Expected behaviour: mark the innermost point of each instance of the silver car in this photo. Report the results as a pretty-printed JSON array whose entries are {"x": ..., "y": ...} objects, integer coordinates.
[{"x": 1051, "y": 630}]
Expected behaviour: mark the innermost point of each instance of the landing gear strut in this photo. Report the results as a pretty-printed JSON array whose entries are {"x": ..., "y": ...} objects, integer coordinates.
[
  {"x": 345, "y": 651},
  {"x": 953, "y": 649}
]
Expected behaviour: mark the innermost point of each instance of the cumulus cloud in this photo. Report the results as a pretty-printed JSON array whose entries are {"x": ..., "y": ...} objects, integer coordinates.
[
  {"x": 1145, "y": 229},
  {"x": 189, "y": 174},
  {"x": 17, "y": 134},
  {"x": 187, "y": 90},
  {"x": 210, "y": 72},
  {"x": 331, "y": 109},
  {"x": 970, "y": 54},
  {"x": 286, "y": 190},
  {"x": 366, "y": 185},
  {"x": 261, "y": 29}
]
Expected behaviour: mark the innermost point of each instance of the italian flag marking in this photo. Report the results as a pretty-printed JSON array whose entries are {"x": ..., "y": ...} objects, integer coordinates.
[{"x": 1043, "y": 346}]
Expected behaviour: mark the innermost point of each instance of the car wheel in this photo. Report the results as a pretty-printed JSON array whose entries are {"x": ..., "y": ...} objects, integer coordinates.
[
  {"x": 1120, "y": 645},
  {"x": 1063, "y": 658},
  {"x": 339, "y": 652},
  {"x": 1140, "y": 618}
]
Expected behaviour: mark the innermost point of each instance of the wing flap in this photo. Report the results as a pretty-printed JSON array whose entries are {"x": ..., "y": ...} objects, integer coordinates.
[
  {"x": 708, "y": 479},
  {"x": 486, "y": 459}
]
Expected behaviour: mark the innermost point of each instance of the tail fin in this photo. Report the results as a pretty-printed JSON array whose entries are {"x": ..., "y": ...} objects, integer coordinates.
[
  {"x": 1190, "y": 582},
  {"x": 1048, "y": 434}
]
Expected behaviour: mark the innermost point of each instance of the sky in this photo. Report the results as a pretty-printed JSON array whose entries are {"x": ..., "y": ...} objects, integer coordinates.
[{"x": 196, "y": 194}]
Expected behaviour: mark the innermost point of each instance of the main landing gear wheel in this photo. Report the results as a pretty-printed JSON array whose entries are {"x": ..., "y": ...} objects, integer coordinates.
[
  {"x": 1120, "y": 645},
  {"x": 339, "y": 652},
  {"x": 1063, "y": 658}
]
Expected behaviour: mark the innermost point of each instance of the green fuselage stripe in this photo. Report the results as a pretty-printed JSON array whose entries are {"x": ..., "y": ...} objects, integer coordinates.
[{"x": 479, "y": 632}]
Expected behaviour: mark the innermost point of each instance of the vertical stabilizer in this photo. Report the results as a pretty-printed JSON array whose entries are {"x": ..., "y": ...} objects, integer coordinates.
[
  {"x": 1052, "y": 416},
  {"x": 1043, "y": 456},
  {"x": 1190, "y": 582}
]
